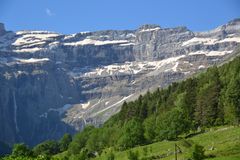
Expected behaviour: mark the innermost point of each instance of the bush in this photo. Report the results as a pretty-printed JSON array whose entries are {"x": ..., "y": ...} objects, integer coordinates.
[
  {"x": 64, "y": 142},
  {"x": 21, "y": 150},
  {"x": 132, "y": 134},
  {"x": 111, "y": 156},
  {"x": 145, "y": 151},
  {"x": 197, "y": 152},
  {"x": 46, "y": 148},
  {"x": 79, "y": 140},
  {"x": 81, "y": 156},
  {"x": 186, "y": 143},
  {"x": 132, "y": 155}
]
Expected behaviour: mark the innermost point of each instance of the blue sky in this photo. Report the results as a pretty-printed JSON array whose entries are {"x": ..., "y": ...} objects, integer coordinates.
[{"x": 71, "y": 16}]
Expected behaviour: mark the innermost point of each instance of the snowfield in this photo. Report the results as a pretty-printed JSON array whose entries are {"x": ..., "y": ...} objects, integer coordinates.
[
  {"x": 210, "y": 41},
  {"x": 88, "y": 41},
  {"x": 130, "y": 68}
]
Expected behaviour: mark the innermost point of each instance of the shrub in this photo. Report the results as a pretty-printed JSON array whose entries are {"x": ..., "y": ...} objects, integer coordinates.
[
  {"x": 132, "y": 155},
  {"x": 197, "y": 152}
]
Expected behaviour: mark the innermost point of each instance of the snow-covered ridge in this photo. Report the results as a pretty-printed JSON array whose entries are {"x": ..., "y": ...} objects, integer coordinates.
[
  {"x": 211, "y": 41},
  {"x": 33, "y": 37},
  {"x": 32, "y": 41},
  {"x": 34, "y": 32},
  {"x": 88, "y": 41},
  {"x": 150, "y": 29},
  {"x": 66, "y": 37},
  {"x": 38, "y": 41}
]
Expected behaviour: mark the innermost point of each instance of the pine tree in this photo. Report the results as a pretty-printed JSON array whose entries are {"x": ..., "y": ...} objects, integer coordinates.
[
  {"x": 208, "y": 110},
  {"x": 132, "y": 134},
  {"x": 65, "y": 141},
  {"x": 232, "y": 108}
]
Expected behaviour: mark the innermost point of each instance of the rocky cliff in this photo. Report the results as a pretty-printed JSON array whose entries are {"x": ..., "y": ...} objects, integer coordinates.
[
  {"x": 2, "y": 29},
  {"x": 53, "y": 83}
]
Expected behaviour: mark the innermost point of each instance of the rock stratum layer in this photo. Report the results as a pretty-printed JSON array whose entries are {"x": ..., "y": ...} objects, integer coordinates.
[{"x": 53, "y": 83}]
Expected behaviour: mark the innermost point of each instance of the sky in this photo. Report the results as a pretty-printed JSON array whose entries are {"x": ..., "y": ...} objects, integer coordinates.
[{"x": 72, "y": 16}]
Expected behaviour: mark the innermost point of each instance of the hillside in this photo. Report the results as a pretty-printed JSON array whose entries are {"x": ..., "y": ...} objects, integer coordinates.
[
  {"x": 220, "y": 143},
  {"x": 209, "y": 99}
]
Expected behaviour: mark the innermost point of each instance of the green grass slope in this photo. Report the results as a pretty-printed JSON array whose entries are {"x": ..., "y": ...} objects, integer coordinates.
[{"x": 222, "y": 143}]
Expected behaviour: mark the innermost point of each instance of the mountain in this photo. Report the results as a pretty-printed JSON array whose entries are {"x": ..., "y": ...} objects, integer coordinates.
[
  {"x": 200, "y": 110},
  {"x": 53, "y": 83}
]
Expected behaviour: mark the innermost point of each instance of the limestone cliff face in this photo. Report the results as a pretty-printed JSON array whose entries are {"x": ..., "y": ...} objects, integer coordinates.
[
  {"x": 156, "y": 43},
  {"x": 53, "y": 83},
  {"x": 26, "y": 93}
]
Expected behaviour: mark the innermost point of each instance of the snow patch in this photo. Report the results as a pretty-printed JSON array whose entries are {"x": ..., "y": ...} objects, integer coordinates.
[
  {"x": 210, "y": 53},
  {"x": 88, "y": 41},
  {"x": 33, "y": 36},
  {"x": 28, "y": 50},
  {"x": 26, "y": 40},
  {"x": 210, "y": 41},
  {"x": 231, "y": 39},
  {"x": 54, "y": 43},
  {"x": 175, "y": 67},
  {"x": 32, "y": 60},
  {"x": 188, "y": 72},
  {"x": 127, "y": 44},
  {"x": 218, "y": 53},
  {"x": 130, "y": 35},
  {"x": 201, "y": 66},
  {"x": 150, "y": 29},
  {"x": 111, "y": 106},
  {"x": 130, "y": 68},
  {"x": 85, "y": 105},
  {"x": 197, "y": 53},
  {"x": 197, "y": 40},
  {"x": 34, "y": 32}
]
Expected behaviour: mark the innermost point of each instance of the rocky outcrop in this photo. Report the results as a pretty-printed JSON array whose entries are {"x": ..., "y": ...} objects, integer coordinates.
[
  {"x": 2, "y": 29},
  {"x": 53, "y": 83},
  {"x": 156, "y": 43}
]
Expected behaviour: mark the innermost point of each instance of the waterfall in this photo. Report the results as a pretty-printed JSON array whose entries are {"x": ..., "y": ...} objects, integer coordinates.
[{"x": 15, "y": 112}]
